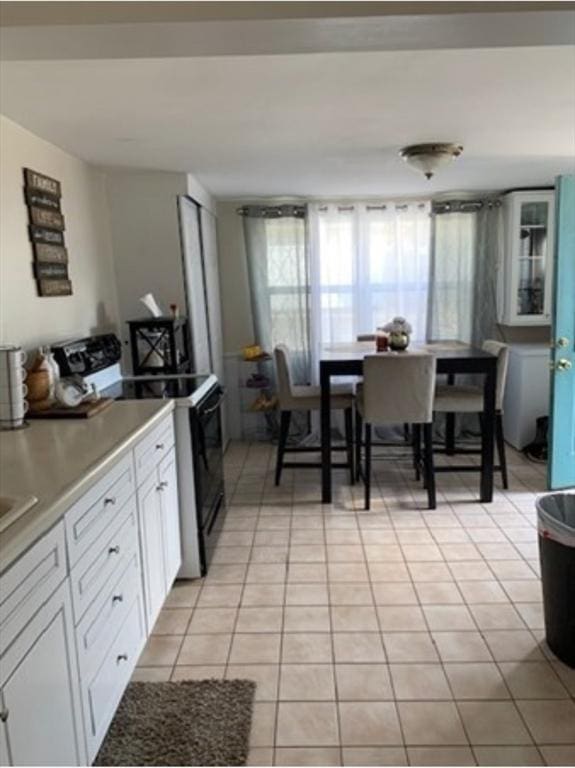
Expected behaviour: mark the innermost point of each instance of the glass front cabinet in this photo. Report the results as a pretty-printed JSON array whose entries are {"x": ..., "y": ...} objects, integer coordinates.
[{"x": 526, "y": 288}]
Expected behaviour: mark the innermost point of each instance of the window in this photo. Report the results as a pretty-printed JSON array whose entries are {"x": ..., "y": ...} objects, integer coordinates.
[{"x": 369, "y": 263}]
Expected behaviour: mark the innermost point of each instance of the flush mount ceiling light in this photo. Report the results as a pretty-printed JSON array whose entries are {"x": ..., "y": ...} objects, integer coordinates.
[{"x": 427, "y": 158}]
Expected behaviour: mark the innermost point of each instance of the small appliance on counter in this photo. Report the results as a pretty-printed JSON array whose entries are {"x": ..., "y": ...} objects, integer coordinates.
[
  {"x": 13, "y": 390},
  {"x": 199, "y": 446}
]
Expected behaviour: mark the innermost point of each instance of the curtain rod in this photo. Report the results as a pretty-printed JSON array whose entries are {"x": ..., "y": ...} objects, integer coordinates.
[
  {"x": 464, "y": 206},
  {"x": 368, "y": 207},
  {"x": 273, "y": 211}
]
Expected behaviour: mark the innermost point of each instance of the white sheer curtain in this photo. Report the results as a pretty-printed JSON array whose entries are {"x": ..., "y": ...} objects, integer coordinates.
[{"x": 368, "y": 263}]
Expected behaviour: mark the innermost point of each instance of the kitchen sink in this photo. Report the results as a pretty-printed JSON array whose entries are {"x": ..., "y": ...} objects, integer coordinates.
[{"x": 13, "y": 507}]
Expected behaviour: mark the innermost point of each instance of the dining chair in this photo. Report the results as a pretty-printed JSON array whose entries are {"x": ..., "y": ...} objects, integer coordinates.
[
  {"x": 461, "y": 398},
  {"x": 395, "y": 389},
  {"x": 406, "y": 432},
  {"x": 297, "y": 397}
]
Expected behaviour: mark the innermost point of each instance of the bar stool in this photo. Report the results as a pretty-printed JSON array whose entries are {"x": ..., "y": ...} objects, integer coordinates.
[
  {"x": 455, "y": 398},
  {"x": 398, "y": 388},
  {"x": 294, "y": 397}
]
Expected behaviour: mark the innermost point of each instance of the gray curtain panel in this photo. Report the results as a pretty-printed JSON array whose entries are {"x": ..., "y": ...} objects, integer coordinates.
[
  {"x": 466, "y": 248},
  {"x": 278, "y": 268},
  {"x": 466, "y": 251}
]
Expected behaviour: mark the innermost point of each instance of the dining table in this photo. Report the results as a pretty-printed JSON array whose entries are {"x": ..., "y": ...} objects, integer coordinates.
[{"x": 452, "y": 358}]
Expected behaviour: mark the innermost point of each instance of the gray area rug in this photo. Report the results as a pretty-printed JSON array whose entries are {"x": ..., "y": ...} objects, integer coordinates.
[{"x": 192, "y": 722}]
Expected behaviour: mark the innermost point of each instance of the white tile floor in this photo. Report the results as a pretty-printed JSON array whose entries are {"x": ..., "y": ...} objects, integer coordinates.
[{"x": 391, "y": 637}]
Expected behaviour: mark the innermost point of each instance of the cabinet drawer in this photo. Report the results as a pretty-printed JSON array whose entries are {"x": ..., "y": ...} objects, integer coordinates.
[
  {"x": 152, "y": 448},
  {"x": 97, "y": 509},
  {"x": 109, "y": 555},
  {"x": 106, "y": 615},
  {"x": 103, "y": 693},
  {"x": 30, "y": 581}
]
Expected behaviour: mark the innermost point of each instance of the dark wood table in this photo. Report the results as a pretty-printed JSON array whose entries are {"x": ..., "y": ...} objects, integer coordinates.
[{"x": 452, "y": 358}]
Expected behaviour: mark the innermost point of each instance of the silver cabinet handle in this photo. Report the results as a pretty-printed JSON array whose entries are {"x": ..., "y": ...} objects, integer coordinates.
[
  {"x": 114, "y": 550},
  {"x": 121, "y": 657},
  {"x": 110, "y": 500},
  {"x": 118, "y": 599},
  {"x": 4, "y": 715}
]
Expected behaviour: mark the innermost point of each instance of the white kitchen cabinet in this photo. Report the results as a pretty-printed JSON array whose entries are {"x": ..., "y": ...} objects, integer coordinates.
[
  {"x": 150, "y": 511},
  {"x": 40, "y": 690},
  {"x": 526, "y": 289},
  {"x": 158, "y": 505},
  {"x": 169, "y": 503},
  {"x": 110, "y": 638},
  {"x": 76, "y": 607}
]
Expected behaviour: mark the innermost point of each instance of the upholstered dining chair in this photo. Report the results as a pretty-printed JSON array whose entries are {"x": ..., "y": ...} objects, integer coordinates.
[
  {"x": 294, "y": 397},
  {"x": 406, "y": 431},
  {"x": 454, "y": 398},
  {"x": 397, "y": 388}
]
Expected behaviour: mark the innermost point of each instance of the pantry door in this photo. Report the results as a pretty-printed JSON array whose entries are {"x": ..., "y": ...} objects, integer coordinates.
[{"x": 562, "y": 410}]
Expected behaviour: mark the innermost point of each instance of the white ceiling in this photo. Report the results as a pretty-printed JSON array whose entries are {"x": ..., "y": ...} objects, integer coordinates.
[{"x": 313, "y": 125}]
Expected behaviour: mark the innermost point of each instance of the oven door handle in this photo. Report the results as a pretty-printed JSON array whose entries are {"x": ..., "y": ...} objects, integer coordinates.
[{"x": 215, "y": 407}]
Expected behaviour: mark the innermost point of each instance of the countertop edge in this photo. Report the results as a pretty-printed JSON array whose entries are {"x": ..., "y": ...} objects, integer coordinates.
[{"x": 26, "y": 531}]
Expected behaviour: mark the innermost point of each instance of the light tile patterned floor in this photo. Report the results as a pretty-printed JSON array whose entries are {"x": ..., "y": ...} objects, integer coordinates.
[{"x": 391, "y": 637}]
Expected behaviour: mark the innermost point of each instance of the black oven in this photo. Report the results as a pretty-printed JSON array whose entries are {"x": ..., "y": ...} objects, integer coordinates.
[{"x": 207, "y": 444}]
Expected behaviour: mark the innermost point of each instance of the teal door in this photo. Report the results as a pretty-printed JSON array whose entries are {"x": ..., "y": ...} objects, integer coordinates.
[{"x": 562, "y": 422}]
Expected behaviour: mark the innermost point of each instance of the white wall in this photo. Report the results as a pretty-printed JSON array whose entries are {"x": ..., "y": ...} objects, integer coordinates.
[
  {"x": 145, "y": 240},
  {"x": 27, "y": 318}
]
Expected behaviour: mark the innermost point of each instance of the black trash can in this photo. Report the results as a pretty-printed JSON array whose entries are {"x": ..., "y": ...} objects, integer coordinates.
[{"x": 556, "y": 524}]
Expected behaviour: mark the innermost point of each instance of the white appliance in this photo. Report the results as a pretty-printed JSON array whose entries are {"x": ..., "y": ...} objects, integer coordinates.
[{"x": 526, "y": 393}]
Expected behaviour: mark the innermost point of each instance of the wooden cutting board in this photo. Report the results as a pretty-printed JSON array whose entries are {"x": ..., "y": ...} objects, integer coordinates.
[{"x": 82, "y": 411}]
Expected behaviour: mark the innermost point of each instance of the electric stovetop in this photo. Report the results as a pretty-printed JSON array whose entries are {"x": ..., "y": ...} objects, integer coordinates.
[{"x": 182, "y": 386}]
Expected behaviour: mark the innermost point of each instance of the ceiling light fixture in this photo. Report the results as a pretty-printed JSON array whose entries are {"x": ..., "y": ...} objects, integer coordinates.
[{"x": 427, "y": 158}]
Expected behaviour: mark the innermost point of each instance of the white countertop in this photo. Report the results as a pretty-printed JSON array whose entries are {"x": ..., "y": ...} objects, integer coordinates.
[{"x": 56, "y": 460}]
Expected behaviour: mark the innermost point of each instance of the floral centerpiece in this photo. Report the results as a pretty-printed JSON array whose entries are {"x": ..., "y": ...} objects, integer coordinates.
[{"x": 399, "y": 331}]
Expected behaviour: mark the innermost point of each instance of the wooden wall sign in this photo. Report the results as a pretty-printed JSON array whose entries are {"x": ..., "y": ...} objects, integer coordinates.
[
  {"x": 46, "y": 271},
  {"x": 42, "y": 217},
  {"x": 54, "y": 287},
  {"x": 45, "y": 235},
  {"x": 43, "y": 195},
  {"x": 43, "y": 183},
  {"x": 50, "y": 254}
]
